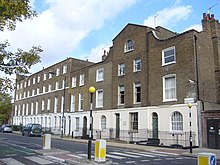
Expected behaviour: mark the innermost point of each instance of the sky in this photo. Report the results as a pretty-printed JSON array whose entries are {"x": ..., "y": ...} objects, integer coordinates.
[{"x": 83, "y": 29}]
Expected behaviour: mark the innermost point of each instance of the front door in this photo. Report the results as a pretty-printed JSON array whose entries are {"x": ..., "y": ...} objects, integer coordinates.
[
  {"x": 117, "y": 135},
  {"x": 155, "y": 125},
  {"x": 84, "y": 127},
  {"x": 69, "y": 125},
  {"x": 213, "y": 133}
]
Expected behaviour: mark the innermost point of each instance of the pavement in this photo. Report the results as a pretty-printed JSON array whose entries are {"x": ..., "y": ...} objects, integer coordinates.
[{"x": 66, "y": 157}]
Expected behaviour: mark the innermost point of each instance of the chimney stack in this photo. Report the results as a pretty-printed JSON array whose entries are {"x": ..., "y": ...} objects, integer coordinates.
[{"x": 104, "y": 55}]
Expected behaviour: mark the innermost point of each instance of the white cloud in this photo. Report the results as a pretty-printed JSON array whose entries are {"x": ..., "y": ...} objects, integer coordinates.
[
  {"x": 95, "y": 55},
  {"x": 196, "y": 27},
  {"x": 60, "y": 28},
  {"x": 168, "y": 17}
]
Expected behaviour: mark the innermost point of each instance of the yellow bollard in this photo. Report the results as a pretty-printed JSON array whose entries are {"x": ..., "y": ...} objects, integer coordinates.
[
  {"x": 100, "y": 150},
  {"x": 206, "y": 159}
]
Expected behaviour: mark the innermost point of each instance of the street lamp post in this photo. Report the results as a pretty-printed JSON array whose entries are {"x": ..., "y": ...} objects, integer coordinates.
[
  {"x": 64, "y": 93},
  {"x": 91, "y": 91},
  {"x": 190, "y": 128}
]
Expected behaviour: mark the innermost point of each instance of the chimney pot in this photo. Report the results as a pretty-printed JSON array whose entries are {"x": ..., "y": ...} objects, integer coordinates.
[
  {"x": 204, "y": 16},
  {"x": 208, "y": 16}
]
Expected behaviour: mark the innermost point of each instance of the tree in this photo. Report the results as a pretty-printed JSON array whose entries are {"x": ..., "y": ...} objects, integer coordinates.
[
  {"x": 5, "y": 107},
  {"x": 21, "y": 61}
]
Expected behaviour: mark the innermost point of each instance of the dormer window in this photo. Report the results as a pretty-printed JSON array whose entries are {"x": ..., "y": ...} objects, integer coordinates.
[{"x": 129, "y": 46}]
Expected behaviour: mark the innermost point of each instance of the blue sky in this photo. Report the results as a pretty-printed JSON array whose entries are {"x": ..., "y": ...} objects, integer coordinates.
[{"x": 84, "y": 28}]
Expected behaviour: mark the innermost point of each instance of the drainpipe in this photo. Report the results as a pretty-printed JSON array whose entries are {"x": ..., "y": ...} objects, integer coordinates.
[{"x": 200, "y": 104}]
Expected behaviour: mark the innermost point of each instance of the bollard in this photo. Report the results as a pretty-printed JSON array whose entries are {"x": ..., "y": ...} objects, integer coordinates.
[
  {"x": 72, "y": 134},
  {"x": 47, "y": 141},
  {"x": 206, "y": 159},
  {"x": 100, "y": 150}
]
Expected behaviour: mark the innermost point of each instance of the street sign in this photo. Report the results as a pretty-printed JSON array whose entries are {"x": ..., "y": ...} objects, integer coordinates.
[
  {"x": 212, "y": 160},
  {"x": 189, "y": 100}
]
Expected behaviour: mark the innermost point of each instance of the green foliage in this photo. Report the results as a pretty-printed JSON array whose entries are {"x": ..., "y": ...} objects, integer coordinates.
[
  {"x": 12, "y": 11},
  {"x": 5, "y": 107},
  {"x": 21, "y": 61}
]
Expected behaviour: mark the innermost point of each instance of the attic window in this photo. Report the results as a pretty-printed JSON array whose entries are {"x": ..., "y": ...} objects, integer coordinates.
[{"x": 129, "y": 46}]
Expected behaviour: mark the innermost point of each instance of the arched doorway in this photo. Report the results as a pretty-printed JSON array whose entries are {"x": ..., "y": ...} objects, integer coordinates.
[
  {"x": 84, "y": 127},
  {"x": 155, "y": 125}
]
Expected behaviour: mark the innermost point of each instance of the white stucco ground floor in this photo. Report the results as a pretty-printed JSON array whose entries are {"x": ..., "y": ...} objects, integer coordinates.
[{"x": 168, "y": 123}]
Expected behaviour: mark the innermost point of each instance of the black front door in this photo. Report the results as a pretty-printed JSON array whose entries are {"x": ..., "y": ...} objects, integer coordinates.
[
  {"x": 84, "y": 127},
  {"x": 155, "y": 125},
  {"x": 213, "y": 133},
  {"x": 117, "y": 115}
]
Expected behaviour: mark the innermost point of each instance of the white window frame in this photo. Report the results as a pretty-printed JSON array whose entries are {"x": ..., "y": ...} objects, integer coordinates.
[
  {"x": 38, "y": 91},
  {"x": 36, "y": 107},
  {"x": 49, "y": 87},
  {"x": 81, "y": 80},
  {"x": 43, "y": 105},
  {"x": 121, "y": 69},
  {"x": 99, "y": 98},
  {"x": 21, "y": 85},
  {"x": 32, "y": 108},
  {"x": 27, "y": 108},
  {"x": 77, "y": 124},
  {"x": 73, "y": 82},
  {"x": 29, "y": 82},
  {"x": 57, "y": 85},
  {"x": 44, "y": 89},
  {"x": 136, "y": 93},
  {"x": 103, "y": 122},
  {"x": 129, "y": 45},
  {"x": 64, "y": 69},
  {"x": 45, "y": 76},
  {"x": 62, "y": 101},
  {"x": 50, "y": 75},
  {"x": 23, "y": 109},
  {"x": 168, "y": 56},
  {"x": 176, "y": 122},
  {"x": 57, "y": 71},
  {"x": 100, "y": 74},
  {"x": 81, "y": 102},
  {"x": 120, "y": 89},
  {"x": 55, "y": 104},
  {"x": 34, "y": 80},
  {"x": 137, "y": 64},
  {"x": 165, "y": 90},
  {"x": 38, "y": 78},
  {"x": 73, "y": 103},
  {"x": 48, "y": 104},
  {"x": 134, "y": 125}
]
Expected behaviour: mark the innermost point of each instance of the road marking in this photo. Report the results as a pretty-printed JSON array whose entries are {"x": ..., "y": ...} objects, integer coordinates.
[
  {"x": 169, "y": 158},
  {"x": 10, "y": 155},
  {"x": 75, "y": 156},
  {"x": 39, "y": 160},
  {"x": 167, "y": 153},
  {"x": 129, "y": 162},
  {"x": 157, "y": 159},
  {"x": 145, "y": 160},
  {"x": 156, "y": 153},
  {"x": 114, "y": 156},
  {"x": 142, "y": 154},
  {"x": 11, "y": 161},
  {"x": 127, "y": 155},
  {"x": 56, "y": 158}
]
